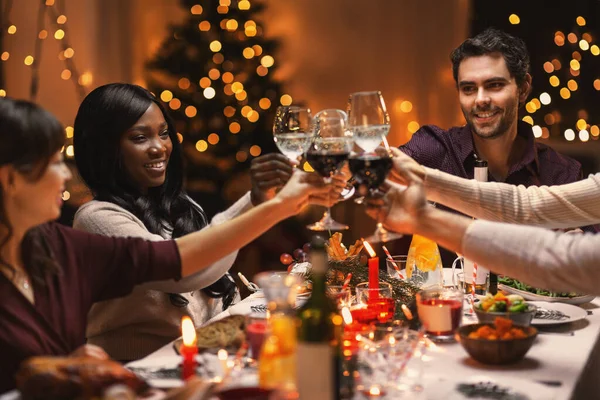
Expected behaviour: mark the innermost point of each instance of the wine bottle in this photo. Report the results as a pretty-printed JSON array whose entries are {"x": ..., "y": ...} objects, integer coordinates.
[{"x": 319, "y": 335}]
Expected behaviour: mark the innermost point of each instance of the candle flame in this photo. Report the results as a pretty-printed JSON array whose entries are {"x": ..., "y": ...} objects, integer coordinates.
[
  {"x": 188, "y": 331},
  {"x": 369, "y": 249},
  {"x": 375, "y": 391},
  {"x": 347, "y": 315}
]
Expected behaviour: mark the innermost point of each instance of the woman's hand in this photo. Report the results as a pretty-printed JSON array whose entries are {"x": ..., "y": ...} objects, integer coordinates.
[
  {"x": 267, "y": 174},
  {"x": 405, "y": 169},
  {"x": 300, "y": 190},
  {"x": 90, "y": 350},
  {"x": 401, "y": 208}
]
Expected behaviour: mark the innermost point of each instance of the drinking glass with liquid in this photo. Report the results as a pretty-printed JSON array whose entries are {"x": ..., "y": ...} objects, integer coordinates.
[
  {"x": 292, "y": 130},
  {"x": 440, "y": 311}
]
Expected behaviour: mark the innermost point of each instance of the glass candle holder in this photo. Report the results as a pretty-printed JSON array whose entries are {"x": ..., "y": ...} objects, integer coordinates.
[{"x": 440, "y": 311}]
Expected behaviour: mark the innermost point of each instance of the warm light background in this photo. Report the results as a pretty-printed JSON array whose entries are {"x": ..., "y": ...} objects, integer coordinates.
[{"x": 328, "y": 50}]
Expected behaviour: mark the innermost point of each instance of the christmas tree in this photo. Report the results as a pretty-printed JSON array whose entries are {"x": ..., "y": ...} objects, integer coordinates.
[{"x": 215, "y": 72}]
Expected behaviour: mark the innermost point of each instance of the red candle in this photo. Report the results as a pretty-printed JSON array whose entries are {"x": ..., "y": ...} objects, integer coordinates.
[
  {"x": 373, "y": 271},
  {"x": 189, "y": 349}
]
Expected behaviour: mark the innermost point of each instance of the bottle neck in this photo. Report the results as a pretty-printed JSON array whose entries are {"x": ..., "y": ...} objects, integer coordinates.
[{"x": 319, "y": 269}]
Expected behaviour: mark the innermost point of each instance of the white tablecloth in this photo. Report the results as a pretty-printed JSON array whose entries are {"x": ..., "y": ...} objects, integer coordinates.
[{"x": 572, "y": 360}]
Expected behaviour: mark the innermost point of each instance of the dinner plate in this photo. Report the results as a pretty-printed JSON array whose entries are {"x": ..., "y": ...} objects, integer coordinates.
[
  {"x": 537, "y": 297},
  {"x": 557, "y": 313}
]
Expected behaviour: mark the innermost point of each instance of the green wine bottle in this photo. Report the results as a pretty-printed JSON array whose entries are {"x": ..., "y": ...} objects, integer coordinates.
[{"x": 319, "y": 335}]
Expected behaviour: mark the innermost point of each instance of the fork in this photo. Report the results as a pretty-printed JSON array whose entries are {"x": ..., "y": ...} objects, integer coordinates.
[{"x": 250, "y": 285}]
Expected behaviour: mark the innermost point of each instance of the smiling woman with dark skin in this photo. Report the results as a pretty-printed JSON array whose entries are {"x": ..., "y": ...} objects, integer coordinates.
[
  {"x": 127, "y": 152},
  {"x": 50, "y": 275}
]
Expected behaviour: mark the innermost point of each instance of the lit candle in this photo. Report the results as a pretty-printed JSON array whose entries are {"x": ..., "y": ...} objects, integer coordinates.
[
  {"x": 373, "y": 271},
  {"x": 222, "y": 355},
  {"x": 189, "y": 349}
]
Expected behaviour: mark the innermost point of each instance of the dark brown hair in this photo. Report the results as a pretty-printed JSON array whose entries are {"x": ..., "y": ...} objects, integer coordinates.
[
  {"x": 30, "y": 136},
  {"x": 490, "y": 41}
]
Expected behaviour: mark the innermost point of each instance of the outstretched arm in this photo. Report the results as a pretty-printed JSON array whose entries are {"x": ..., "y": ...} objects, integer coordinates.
[
  {"x": 536, "y": 256},
  {"x": 563, "y": 206},
  {"x": 200, "y": 249}
]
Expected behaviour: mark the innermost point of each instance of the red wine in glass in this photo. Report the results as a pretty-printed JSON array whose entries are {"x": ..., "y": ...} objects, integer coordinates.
[
  {"x": 326, "y": 163},
  {"x": 370, "y": 169}
]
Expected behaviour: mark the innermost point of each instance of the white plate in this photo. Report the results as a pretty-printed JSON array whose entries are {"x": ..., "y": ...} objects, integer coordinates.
[
  {"x": 573, "y": 313},
  {"x": 536, "y": 297}
]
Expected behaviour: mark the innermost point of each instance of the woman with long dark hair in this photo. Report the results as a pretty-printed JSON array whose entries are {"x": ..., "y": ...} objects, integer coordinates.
[
  {"x": 51, "y": 274},
  {"x": 127, "y": 152}
]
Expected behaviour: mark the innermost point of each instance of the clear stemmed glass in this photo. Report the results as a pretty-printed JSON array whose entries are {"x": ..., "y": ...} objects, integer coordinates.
[
  {"x": 370, "y": 123},
  {"x": 292, "y": 130},
  {"x": 331, "y": 144}
]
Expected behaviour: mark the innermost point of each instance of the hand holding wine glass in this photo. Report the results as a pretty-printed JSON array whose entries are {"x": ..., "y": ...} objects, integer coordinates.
[
  {"x": 330, "y": 147},
  {"x": 370, "y": 122},
  {"x": 292, "y": 130}
]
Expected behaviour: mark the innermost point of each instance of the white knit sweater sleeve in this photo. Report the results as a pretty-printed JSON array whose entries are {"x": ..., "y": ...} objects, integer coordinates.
[
  {"x": 564, "y": 206},
  {"x": 108, "y": 219},
  {"x": 539, "y": 257}
]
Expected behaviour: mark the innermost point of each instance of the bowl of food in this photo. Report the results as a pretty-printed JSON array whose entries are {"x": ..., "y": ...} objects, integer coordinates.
[
  {"x": 248, "y": 393},
  {"x": 513, "y": 307},
  {"x": 499, "y": 343}
]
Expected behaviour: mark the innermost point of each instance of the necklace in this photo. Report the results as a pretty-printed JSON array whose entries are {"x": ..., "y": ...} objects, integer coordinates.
[{"x": 20, "y": 279}]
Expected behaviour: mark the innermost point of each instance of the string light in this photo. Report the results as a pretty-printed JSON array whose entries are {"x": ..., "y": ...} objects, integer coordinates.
[
  {"x": 569, "y": 135},
  {"x": 234, "y": 127},
  {"x": 255, "y": 151},
  {"x": 175, "y": 104},
  {"x": 286, "y": 100},
  {"x": 201, "y": 146},
  {"x": 209, "y": 93},
  {"x": 12, "y": 30},
  {"x": 413, "y": 126},
  {"x": 528, "y": 119},
  {"x": 166, "y": 96},
  {"x": 213, "y": 138},
  {"x": 514, "y": 19}
]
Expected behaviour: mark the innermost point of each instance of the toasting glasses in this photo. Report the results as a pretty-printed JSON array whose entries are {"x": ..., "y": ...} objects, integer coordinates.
[
  {"x": 370, "y": 123},
  {"x": 292, "y": 130},
  {"x": 331, "y": 144}
]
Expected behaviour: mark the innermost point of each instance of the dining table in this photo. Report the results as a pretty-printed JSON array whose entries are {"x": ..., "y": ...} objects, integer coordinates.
[{"x": 563, "y": 363}]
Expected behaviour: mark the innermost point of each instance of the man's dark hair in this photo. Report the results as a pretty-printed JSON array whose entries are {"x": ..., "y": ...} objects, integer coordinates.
[{"x": 493, "y": 40}]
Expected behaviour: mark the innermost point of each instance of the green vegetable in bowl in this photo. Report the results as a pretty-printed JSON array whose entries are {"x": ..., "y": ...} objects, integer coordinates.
[
  {"x": 501, "y": 303},
  {"x": 508, "y": 281}
]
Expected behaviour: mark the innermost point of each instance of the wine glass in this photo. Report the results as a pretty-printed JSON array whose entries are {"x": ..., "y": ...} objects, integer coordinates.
[
  {"x": 331, "y": 144},
  {"x": 292, "y": 130},
  {"x": 370, "y": 123}
]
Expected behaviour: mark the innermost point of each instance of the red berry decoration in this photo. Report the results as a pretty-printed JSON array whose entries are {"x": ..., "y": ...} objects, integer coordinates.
[
  {"x": 306, "y": 248},
  {"x": 286, "y": 259},
  {"x": 299, "y": 255}
]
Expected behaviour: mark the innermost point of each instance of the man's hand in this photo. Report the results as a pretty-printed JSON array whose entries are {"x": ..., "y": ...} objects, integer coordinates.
[{"x": 267, "y": 174}]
